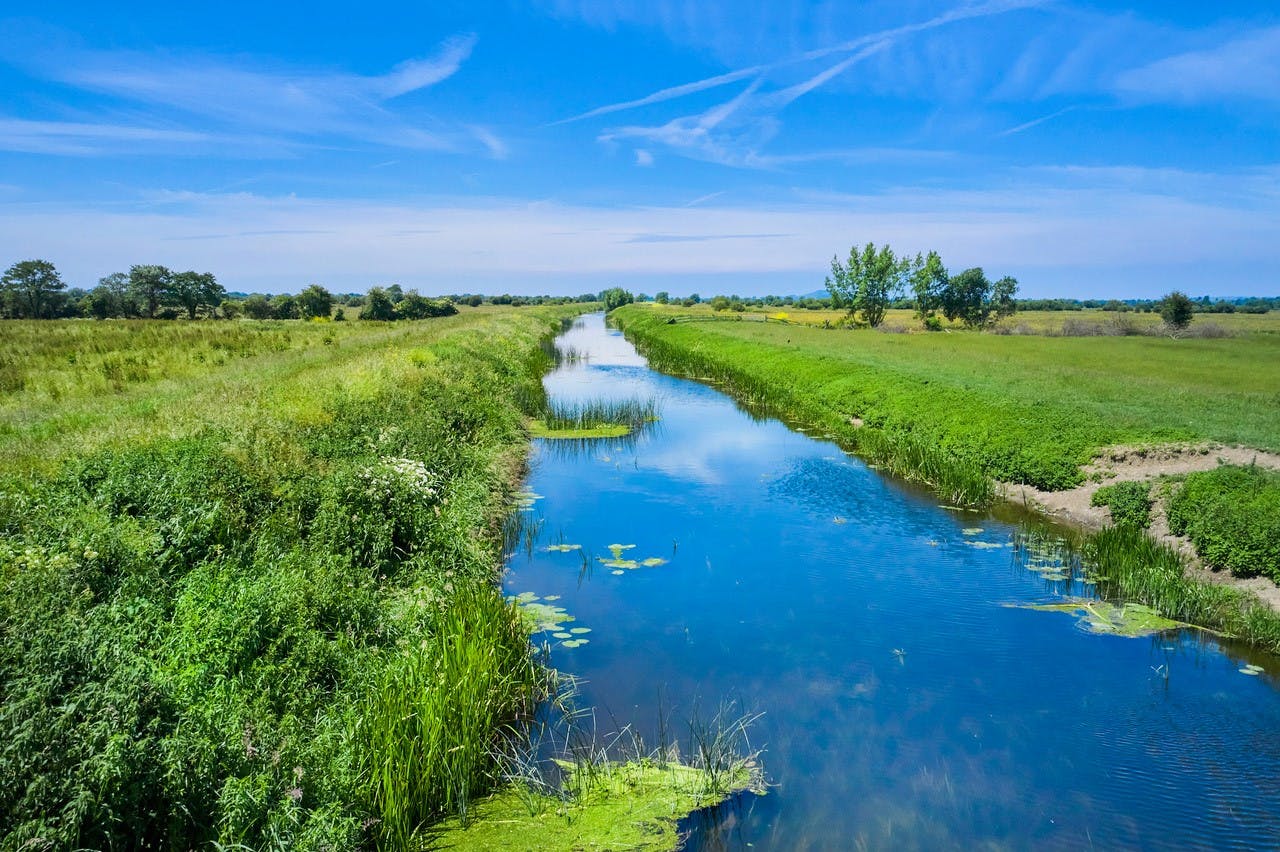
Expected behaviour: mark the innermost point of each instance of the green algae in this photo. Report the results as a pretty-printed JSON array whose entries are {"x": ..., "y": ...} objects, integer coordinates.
[
  {"x": 635, "y": 805},
  {"x": 1102, "y": 617}
]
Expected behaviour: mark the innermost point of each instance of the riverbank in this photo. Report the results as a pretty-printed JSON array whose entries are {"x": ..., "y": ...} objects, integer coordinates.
[{"x": 962, "y": 412}]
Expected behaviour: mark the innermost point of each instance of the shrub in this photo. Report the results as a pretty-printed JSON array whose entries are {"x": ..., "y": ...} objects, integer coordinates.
[
  {"x": 1232, "y": 516},
  {"x": 1130, "y": 502}
]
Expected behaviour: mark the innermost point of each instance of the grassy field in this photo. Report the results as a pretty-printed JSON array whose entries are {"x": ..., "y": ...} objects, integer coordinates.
[
  {"x": 1027, "y": 409},
  {"x": 248, "y": 577}
]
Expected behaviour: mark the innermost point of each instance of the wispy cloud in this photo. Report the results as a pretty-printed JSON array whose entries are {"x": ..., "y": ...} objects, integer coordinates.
[
  {"x": 1247, "y": 66},
  {"x": 211, "y": 97},
  {"x": 735, "y": 131},
  {"x": 1027, "y": 125}
]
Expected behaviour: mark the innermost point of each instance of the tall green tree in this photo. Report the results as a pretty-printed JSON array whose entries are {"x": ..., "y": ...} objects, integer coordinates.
[
  {"x": 32, "y": 289},
  {"x": 195, "y": 290},
  {"x": 152, "y": 286},
  {"x": 973, "y": 299},
  {"x": 284, "y": 307},
  {"x": 869, "y": 282},
  {"x": 315, "y": 301},
  {"x": 1177, "y": 310},
  {"x": 615, "y": 297},
  {"x": 928, "y": 282}
]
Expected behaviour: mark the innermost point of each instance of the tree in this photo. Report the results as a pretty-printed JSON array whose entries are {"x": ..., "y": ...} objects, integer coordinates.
[
  {"x": 284, "y": 307},
  {"x": 230, "y": 309},
  {"x": 475, "y": 301},
  {"x": 719, "y": 303},
  {"x": 663, "y": 297},
  {"x": 395, "y": 294},
  {"x": 113, "y": 290},
  {"x": 257, "y": 307},
  {"x": 1177, "y": 310},
  {"x": 869, "y": 283},
  {"x": 151, "y": 286},
  {"x": 378, "y": 306},
  {"x": 615, "y": 297},
  {"x": 195, "y": 290},
  {"x": 32, "y": 289},
  {"x": 315, "y": 301},
  {"x": 973, "y": 299},
  {"x": 928, "y": 282}
]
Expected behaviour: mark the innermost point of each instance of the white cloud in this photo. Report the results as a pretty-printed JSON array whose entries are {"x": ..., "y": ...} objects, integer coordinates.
[
  {"x": 1036, "y": 229},
  {"x": 643, "y": 157},
  {"x": 1248, "y": 66}
]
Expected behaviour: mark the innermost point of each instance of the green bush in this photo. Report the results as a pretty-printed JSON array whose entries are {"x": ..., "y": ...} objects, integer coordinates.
[
  {"x": 1130, "y": 502},
  {"x": 1232, "y": 516}
]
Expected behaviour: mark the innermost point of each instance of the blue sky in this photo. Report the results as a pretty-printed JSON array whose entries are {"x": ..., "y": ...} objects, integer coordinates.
[{"x": 683, "y": 145}]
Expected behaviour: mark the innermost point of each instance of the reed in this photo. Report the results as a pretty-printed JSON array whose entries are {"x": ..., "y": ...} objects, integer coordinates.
[{"x": 633, "y": 414}]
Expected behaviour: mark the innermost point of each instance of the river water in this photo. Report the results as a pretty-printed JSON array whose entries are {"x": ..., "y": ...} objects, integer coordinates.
[{"x": 908, "y": 697}]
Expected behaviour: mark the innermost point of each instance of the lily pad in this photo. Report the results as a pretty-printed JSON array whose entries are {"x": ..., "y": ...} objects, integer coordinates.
[
  {"x": 562, "y": 548},
  {"x": 971, "y": 531},
  {"x": 618, "y": 573},
  {"x": 580, "y": 630},
  {"x": 653, "y": 561},
  {"x": 985, "y": 545},
  {"x": 1101, "y": 617},
  {"x": 573, "y": 643},
  {"x": 552, "y": 598},
  {"x": 562, "y": 635},
  {"x": 619, "y": 563},
  {"x": 616, "y": 549},
  {"x": 1251, "y": 670}
]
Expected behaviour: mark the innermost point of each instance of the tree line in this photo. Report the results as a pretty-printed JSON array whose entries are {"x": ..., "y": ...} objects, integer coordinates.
[{"x": 34, "y": 289}]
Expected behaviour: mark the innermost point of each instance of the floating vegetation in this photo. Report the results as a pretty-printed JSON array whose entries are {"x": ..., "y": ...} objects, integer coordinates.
[
  {"x": 988, "y": 545},
  {"x": 972, "y": 531},
  {"x": 616, "y": 549},
  {"x": 525, "y": 499},
  {"x": 619, "y": 564},
  {"x": 1129, "y": 619},
  {"x": 618, "y": 573},
  {"x": 562, "y": 548},
  {"x": 653, "y": 562},
  {"x": 839, "y": 520},
  {"x": 542, "y": 617},
  {"x": 539, "y": 429},
  {"x": 1251, "y": 670}
]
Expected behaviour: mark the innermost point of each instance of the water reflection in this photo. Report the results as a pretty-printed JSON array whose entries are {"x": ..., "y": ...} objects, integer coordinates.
[{"x": 906, "y": 704}]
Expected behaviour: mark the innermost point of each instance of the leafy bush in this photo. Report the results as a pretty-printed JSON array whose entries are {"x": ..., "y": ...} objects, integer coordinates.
[
  {"x": 1232, "y": 516},
  {"x": 1130, "y": 502}
]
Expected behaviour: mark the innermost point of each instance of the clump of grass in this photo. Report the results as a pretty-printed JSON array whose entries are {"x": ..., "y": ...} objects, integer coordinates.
[
  {"x": 632, "y": 414},
  {"x": 1232, "y": 516},
  {"x": 1129, "y": 502},
  {"x": 437, "y": 712},
  {"x": 1128, "y": 565}
]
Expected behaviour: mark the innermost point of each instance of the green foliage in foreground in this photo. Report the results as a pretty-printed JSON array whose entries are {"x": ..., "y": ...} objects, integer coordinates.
[
  {"x": 978, "y": 406},
  {"x": 1232, "y": 516},
  {"x": 1129, "y": 502},
  {"x": 256, "y": 605}
]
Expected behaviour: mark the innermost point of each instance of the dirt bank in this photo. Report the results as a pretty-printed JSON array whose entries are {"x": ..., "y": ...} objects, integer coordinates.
[{"x": 1121, "y": 464}]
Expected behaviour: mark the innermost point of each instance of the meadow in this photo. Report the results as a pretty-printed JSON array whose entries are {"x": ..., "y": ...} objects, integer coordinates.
[{"x": 248, "y": 576}]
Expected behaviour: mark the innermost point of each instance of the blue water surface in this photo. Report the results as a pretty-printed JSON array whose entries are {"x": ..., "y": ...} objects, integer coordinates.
[{"x": 905, "y": 703}]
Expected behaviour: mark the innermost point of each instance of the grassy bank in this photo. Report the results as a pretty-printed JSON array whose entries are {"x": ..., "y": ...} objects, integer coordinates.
[
  {"x": 248, "y": 578},
  {"x": 954, "y": 408},
  {"x": 960, "y": 410}
]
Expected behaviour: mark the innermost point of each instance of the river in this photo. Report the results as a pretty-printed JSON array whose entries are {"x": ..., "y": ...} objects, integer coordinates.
[{"x": 908, "y": 697}]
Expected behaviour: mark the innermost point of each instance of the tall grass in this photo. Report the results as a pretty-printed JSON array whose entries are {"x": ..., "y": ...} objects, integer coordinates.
[
  {"x": 632, "y": 413},
  {"x": 1129, "y": 565},
  {"x": 439, "y": 709}
]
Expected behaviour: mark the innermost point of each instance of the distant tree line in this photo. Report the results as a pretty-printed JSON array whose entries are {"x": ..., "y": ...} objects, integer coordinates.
[{"x": 34, "y": 289}]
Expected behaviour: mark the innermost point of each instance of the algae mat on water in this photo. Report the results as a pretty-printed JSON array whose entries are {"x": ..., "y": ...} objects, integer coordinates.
[
  {"x": 632, "y": 806},
  {"x": 1128, "y": 619}
]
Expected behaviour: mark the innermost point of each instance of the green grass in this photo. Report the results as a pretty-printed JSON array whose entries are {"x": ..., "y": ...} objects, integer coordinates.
[
  {"x": 1232, "y": 516},
  {"x": 252, "y": 601},
  {"x": 1024, "y": 409}
]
